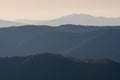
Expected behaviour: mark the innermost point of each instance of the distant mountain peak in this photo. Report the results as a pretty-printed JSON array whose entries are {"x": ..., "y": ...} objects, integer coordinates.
[
  {"x": 80, "y": 15},
  {"x": 77, "y": 19}
]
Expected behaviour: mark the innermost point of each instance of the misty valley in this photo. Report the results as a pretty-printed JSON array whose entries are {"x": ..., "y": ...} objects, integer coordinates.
[
  {"x": 65, "y": 52},
  {"x": 59, "y": 39}
]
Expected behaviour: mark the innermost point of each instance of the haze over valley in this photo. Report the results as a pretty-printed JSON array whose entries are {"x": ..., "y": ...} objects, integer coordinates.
[
  {"x": 69, "y": 40},
  {"x": 59, "y": 39}
]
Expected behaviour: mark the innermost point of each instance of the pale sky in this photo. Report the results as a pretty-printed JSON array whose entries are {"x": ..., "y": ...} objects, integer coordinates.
[{"x": 50, "y": 9}]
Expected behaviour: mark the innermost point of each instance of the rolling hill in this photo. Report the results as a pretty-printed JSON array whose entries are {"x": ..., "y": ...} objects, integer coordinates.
[
  {"x": 56, "y": 67},
  {"x": 68, "y": 40}
]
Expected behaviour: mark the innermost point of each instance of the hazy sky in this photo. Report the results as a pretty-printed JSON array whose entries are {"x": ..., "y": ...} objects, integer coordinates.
[{"x": 48, "y": 9}]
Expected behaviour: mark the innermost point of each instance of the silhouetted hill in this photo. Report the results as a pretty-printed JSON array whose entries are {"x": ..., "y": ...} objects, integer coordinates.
[
  {"x": 78, "y": 19},
  {"x": 68, "y": 40},
  {"x": 56, "y": 67}
]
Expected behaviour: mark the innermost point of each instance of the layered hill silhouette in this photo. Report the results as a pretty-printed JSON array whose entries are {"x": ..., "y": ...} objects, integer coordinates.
[
  {"x": 56, "y": 67},
  {"x": 78, "y": 19},
  {"x": 68, "y": 40}
]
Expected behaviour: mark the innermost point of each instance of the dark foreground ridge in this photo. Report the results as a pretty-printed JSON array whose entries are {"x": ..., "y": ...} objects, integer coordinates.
[{"x": 56, "y": 67}]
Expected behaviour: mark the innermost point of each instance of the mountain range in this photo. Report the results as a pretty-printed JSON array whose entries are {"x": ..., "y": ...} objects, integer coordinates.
[
  {"x": 69, "y": 40},
  {"x": 68, "y": 48},
  {"x": 78, "y": 19}
]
